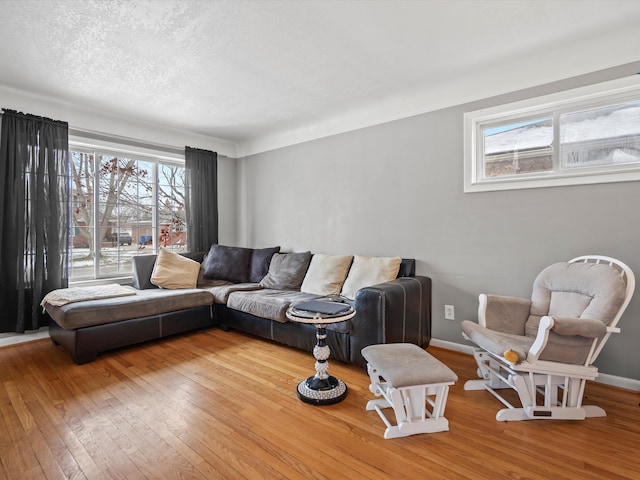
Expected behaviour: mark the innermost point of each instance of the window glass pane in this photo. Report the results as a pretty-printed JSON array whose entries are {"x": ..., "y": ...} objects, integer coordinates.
[
  {"x": 518, "y": 148},
  {"x": 600, "y": 136},
  {"x": 171, "y": 207},
  {"x": 82, "y": 215},
  {"x": 124, "y": 194},
  {"x": 120, "y": 184},
  {"x": 108, "y": 218},
  {"x": 144, "y": 231}
]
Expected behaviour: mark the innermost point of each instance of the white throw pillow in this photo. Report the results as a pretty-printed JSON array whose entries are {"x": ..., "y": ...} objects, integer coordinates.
[
  {"x": 174, "y": 271},
  {"x": 367, "y": 271},
  {"x": 326, "y": 274}
]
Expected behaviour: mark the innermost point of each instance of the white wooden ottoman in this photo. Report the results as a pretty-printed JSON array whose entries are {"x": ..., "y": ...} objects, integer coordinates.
[{"x": 408, "y": 377}]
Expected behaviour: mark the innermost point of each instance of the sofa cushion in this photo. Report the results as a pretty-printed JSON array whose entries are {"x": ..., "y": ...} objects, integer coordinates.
[
  {"x": 144, "y": 303},
  {"x": 221, "y": 292},
  {"x": 260, "y": 261},
  {"x": 267, "y": 303},
  {"x": 286, "y": 271},
  {"x": 228, "y": 263},
  {"x": 326, "y": 274},
  {"x": 174, "y": 271},
  {"x": 367, "y": 271}
]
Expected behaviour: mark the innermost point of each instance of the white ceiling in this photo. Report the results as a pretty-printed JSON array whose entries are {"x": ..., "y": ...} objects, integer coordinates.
[{"x": 264, "y": 74}]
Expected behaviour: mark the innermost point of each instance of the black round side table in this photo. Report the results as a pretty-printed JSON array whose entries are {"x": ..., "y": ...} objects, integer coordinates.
[{"x": 321, "y": 388}]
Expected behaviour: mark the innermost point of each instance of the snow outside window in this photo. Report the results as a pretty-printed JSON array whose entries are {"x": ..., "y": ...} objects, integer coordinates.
[{"x": 587, "y": 135}]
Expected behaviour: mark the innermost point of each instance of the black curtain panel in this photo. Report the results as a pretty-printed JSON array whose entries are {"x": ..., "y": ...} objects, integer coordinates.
[
  {"x": 202, "y": 198},
  {"x": 33, "y": 216}
]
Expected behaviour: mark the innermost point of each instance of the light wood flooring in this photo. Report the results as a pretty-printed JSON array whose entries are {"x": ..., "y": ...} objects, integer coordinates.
[{"x": 222, "y": 405}]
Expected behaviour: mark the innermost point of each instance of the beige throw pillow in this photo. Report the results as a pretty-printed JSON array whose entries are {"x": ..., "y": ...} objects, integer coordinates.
[
  {"x": 367, "y": 271},
  {"x": 326, "y": 274},
  {"x": 173, "y": 271}
]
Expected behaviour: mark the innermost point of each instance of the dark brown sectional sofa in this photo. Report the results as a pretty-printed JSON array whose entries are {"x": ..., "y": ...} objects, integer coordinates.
[{"x": 393, "y": 311}]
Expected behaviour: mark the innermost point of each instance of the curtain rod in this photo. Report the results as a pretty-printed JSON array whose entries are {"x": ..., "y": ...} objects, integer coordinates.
[
  {"x": 91, "y": 135},
  {"x": 10, "y": 111}
]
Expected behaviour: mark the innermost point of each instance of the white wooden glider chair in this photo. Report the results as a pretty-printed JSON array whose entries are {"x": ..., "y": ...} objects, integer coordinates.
[{"x": 544, "y": 348}]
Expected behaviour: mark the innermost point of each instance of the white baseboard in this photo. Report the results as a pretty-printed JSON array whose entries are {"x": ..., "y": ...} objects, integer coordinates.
[
  {"x": 15, "y": 338},
  {"x": 605, "y": 378},
  {"x": 621, "y": 382}
]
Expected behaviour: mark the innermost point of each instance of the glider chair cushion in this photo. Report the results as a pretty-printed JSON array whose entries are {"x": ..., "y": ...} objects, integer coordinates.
[
  {"x": 579, "y": 290},
  {"x": 506, "y": 314},
  {"x": 498, "y": 343},
  {"x": 586, "y": 292}
]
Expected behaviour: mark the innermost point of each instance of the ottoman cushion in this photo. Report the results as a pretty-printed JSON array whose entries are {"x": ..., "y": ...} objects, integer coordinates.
[{"x": 406, "y": 364}]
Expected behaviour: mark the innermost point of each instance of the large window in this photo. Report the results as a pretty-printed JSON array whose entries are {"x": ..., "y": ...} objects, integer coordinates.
[
  {"x": 122, "y": 205},
  {"x": 585, "y": 135}
]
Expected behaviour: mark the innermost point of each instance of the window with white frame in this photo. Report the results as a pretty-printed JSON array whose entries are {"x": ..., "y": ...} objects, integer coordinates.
[
  {"x": 122, "y": 204},
  {"x": 586, "y": 135}
]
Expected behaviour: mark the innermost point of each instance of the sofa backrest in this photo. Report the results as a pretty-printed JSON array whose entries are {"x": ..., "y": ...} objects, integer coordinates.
[
  {"x": 407, "y": 268},
  {"x": 143, "y": 267}
]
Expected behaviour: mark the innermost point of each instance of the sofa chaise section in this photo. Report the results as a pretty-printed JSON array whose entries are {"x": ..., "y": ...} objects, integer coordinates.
[{"x": 90, "y": 327}]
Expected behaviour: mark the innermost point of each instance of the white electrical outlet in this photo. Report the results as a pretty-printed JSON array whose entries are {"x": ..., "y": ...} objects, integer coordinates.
[{"x": 449, "y": 312}]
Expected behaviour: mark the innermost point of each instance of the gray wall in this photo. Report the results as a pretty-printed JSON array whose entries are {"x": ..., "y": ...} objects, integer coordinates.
[
  {"x": 227, "y": 200},
  {"x": 396, "y": 189}
]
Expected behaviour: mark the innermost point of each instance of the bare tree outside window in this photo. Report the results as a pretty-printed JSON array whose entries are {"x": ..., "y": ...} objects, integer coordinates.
[
  {"x": 171, "y": 205},
  {"x": 122, "y": 207}
]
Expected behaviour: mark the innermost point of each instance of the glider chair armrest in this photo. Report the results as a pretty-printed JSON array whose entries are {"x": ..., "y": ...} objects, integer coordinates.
[
  {"x": 503, "y": 314},
  {"x": 564, "y": 326},
  {"x": 544, "y": 327}
]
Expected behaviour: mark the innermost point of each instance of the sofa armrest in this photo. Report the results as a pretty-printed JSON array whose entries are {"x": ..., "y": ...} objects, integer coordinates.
[
  {"x": 391, "y": 312},
  {"x": 143, "y": 268}
]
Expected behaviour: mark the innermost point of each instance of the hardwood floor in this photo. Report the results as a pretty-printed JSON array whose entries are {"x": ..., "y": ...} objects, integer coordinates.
[{"x": 222, "y": 405}]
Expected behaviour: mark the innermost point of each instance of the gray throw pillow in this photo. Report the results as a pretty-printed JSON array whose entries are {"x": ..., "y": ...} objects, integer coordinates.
[
  {"x": 228, "y": 263},
  {"x": 286, "y": 271},
  {"x": 260, "y": 261}
]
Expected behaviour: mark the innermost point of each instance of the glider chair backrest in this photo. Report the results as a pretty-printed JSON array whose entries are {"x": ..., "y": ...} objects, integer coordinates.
[{"x": 592, "y": 291}]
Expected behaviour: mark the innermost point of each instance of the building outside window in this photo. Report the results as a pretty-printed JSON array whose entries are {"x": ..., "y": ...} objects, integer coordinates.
[
  {"x": 570, "y": 138},
  {"x": 122, "y": 205}
]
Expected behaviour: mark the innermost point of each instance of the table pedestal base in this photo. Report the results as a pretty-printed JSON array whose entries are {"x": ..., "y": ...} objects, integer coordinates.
[
  {"x": 322, "y": 391},
  {"x": 322, "y": 388}
]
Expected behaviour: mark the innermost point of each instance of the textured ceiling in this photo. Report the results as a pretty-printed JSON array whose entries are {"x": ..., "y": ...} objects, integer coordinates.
[{"x": 266, "y": 73}]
